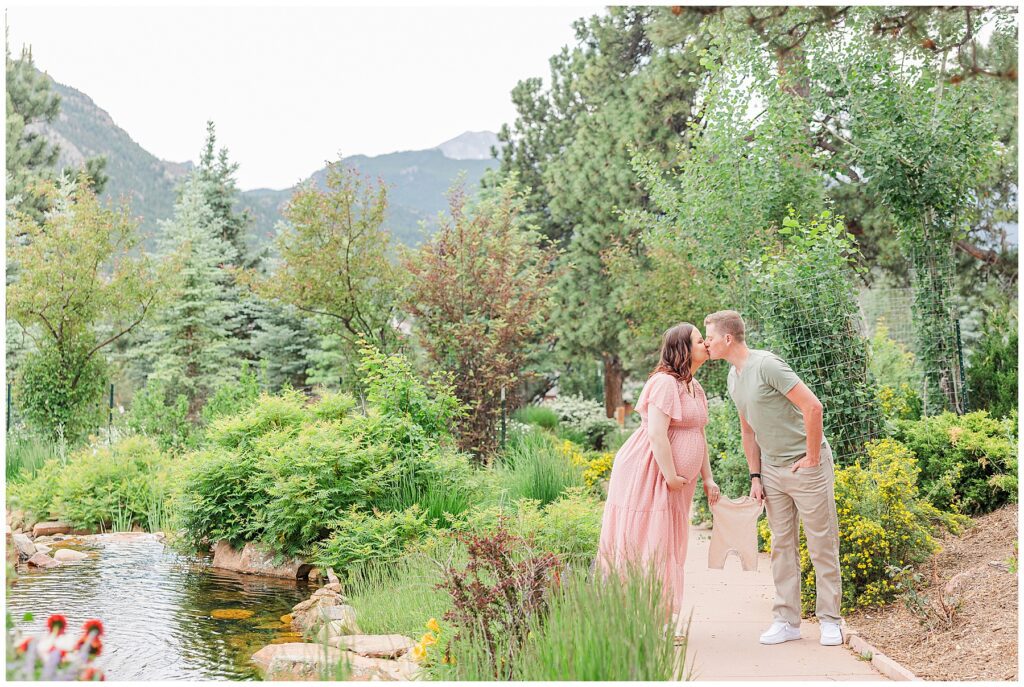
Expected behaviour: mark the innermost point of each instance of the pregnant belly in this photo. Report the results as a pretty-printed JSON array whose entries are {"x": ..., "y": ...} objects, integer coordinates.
[{"x": 688, "y": 454}]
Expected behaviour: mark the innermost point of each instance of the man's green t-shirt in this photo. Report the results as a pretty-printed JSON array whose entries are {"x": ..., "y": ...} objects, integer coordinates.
[{"x": 759, "y": 392}]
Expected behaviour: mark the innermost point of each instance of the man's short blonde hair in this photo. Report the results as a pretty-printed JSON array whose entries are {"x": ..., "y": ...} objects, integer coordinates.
[{"x": 727, "y": 322}]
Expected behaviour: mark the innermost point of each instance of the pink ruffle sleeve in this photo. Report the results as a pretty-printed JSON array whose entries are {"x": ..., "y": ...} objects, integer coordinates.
[{"x": 661, "y": 391}]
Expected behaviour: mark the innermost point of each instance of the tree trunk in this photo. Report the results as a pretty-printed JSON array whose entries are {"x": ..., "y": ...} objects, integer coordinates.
[{"x": 613, "y": 376}]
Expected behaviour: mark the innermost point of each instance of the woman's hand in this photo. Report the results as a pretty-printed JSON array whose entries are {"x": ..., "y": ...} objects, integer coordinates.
[
  {"x": 675, "y": 482},
  {"x": 711, "y": 491}
]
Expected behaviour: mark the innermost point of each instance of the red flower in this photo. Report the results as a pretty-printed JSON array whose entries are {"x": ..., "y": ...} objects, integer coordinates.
[
  {"x": 95, "y": 647},
  {"x": 92, "y": 673},
  {"x": 57, "y": 623},
  {"x": 23, "y": 647},
  {"x": 93, "y": 625}
]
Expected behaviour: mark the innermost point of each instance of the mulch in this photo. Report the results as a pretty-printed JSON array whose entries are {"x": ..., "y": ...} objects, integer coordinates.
[{"x": 980, "y": 643}]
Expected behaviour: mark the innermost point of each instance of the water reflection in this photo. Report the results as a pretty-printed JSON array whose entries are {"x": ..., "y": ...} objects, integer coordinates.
[{"x": 156, "y": 608}]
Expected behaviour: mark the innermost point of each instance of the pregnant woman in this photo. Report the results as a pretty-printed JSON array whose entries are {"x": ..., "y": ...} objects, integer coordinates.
[{"x": 647, "y": 515}]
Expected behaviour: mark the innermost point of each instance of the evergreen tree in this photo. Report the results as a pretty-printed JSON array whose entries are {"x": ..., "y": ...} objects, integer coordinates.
[
  {"x": 625, "y": 87},
  {"x": 192, "y": 347},
  {"x": 29, "y": 154},
  {"x": 216, "y": 175},
  {"x": 282, "y": 341}
]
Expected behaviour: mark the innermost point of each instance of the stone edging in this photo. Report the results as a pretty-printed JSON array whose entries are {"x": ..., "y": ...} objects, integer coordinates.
[{"x": 882, "y": 663}]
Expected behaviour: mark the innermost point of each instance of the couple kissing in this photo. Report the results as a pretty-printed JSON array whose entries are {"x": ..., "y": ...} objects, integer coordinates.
[{"x": 654, "y": 476}]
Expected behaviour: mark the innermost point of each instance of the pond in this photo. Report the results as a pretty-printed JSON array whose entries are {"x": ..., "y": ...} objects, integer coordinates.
[{"x": 157, "y": 608}]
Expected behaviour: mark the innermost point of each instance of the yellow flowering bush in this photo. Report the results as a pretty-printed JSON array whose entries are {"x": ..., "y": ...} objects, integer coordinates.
[
  {"x": 573, "y": 452},
  {"x": 883, "y": 522},
  {"x": 898, "y": 402},
  {"x": 596, "y": 466},
  {"x": 598, "y": 469}
]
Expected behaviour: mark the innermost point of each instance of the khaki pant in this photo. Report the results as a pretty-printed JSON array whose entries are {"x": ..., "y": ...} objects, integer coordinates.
[{"x": 807, "y": 495}]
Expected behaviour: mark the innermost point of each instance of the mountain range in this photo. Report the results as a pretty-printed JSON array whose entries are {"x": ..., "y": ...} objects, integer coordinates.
[{"x": 417, "y": 180}]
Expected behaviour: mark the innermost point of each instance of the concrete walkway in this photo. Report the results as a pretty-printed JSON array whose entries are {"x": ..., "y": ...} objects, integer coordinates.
[{"x": 731, "y": 608}]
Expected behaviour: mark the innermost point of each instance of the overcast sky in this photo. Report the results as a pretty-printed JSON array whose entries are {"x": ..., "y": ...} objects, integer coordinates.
[{"x": 290, "y": 88}]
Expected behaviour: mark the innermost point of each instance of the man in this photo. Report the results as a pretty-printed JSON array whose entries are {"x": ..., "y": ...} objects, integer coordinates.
[{"x": 791, "y": 469}]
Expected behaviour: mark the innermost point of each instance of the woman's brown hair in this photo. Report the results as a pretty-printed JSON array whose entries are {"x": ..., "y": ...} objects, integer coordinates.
[{"x": 676, "y": 352}]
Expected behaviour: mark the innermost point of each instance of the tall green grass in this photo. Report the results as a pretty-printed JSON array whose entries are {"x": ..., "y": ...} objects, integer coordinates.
[
  {"x": 609, "y": 629},
  {"x": 441, "y": 502},
  {"x": 396, "y": 598},
  {"x": 537, "y": 415},
  {"x": 532, "y": 467},
  {"x": 25, "y": 453}
]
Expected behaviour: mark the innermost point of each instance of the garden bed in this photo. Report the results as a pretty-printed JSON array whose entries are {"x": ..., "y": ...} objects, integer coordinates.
[{"x": 980, "y": 642}]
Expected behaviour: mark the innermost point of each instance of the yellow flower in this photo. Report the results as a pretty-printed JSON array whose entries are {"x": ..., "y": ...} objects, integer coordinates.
[
  {"x": 428, "y": 639},
  {"x": 419, "y": 653}
]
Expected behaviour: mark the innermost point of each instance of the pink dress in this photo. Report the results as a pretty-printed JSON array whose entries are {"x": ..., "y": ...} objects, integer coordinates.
[{"x": 643, "y": 521}]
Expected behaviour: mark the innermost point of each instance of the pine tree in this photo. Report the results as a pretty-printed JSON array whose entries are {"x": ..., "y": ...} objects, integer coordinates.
[
  {"x": 29, "y": 154},
  {"x": 192, "y": 347},
  {"x": 624, "y": 88},
  {"x": 217, "y": 178},
  {"x": 217, "y": 174},
  {"x": 281, "y": 341}
]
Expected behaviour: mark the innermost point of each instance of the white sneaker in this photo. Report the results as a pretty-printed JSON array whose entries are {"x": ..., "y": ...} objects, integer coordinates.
[
  {"x": 780, "y": 632},
  {"x": 831, "y": 634}
]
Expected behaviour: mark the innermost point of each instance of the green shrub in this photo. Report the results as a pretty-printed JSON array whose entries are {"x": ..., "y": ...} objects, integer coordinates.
[
  {"x": 359, "y": 537},
  {"x": 283, "y": 412},
  {"x": 569, "y": 526},
  {"x": 221, "y": 497},
  {"x": 901, "y": 402},
  {"x": 281, "y": 471},
  {"x": 393, "y": 387},
  {"x": 102, "y": 485},
  {"x": 891, "y": 364},
  {"x": 602, "y": 630},
  {"x": 157, "y": 413},
  {"x": 323, "y": 470},
  {"x": 884, "y": 522},
  {"x": 897, "y": 379},
  {"x": 36, "y": 496},
  {"x": 542, "y": 416},
  {"x": 234, "y": 397},
  {"x": 54, "y": 398},
  {"x": 968, "y": 462},
  {"x": 333, "y": 406},
  {"x": 992, "y": 366}
]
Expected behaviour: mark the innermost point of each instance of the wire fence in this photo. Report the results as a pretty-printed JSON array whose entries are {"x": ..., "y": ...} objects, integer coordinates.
[{"x": 938, "y": 350}]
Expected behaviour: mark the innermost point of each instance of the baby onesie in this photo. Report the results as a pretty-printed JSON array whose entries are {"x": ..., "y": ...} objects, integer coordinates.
[{"x": 735, "y": 529}]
